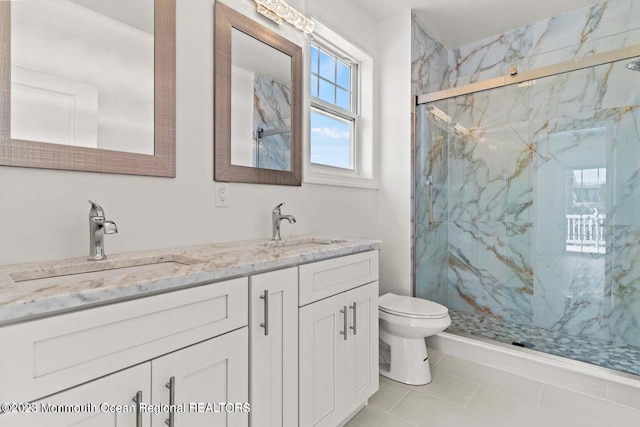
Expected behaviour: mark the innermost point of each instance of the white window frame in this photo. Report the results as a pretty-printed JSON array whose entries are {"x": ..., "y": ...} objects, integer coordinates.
[{"x": 364, "y": 159}]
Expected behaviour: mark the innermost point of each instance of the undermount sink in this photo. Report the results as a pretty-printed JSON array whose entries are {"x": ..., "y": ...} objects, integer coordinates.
[
  {"x": 303, "y": 243},
  {"x": 94, "y": 270}
]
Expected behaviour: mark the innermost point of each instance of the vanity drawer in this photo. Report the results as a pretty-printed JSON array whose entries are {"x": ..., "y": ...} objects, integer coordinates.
[
  {"x": 322, "y": 279},
  {"x": 48, "y": 355}
]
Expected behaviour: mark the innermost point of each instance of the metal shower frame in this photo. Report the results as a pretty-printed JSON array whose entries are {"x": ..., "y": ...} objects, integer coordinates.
[{"x": 514, "y": 77}]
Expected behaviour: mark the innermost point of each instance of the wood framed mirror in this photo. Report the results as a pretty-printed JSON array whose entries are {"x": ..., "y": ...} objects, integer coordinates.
[
  {"x": 258, "y": 103},
  {"x": 88, "y": 85}
]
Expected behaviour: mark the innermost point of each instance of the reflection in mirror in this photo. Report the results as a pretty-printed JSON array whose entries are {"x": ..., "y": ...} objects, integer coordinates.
[
  {"x": 82, "y": 73},
  {"x": 260, "y": 104},
  {"x": 88, "y": 85}
]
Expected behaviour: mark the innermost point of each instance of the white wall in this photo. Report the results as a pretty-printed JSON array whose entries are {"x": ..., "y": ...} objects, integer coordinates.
[
  {"x": 242, "y": 133},
  {"x": 394, "y": 198},
  {"x": 43, "y": 213}
]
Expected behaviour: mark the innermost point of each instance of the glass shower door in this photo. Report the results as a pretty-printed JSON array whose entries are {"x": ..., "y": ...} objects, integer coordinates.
[{"x": 528, "y": 213}]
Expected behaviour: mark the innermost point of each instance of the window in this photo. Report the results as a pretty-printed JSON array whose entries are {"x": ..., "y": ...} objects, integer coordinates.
[
  {"x": 586, "y": 210},
  {"x": 340, "y": 150},
  {"x": 333, "y": 110}
]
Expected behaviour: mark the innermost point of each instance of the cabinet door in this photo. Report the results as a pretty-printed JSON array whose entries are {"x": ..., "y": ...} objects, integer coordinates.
[
  {"x": 41, "y": 357},
  {"x": 210, "y": 372},
  {"x": 273, "y": 331},
  {"x": 361, "y": 352},
  {"x": 116, "y": 389},
  {"x": 322, "y": 363}
]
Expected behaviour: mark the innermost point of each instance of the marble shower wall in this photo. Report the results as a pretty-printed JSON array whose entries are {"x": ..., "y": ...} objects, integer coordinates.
[
  {"x": 605, "y": 26},
  {"x": 429, "y": 60},
  {"x": 488, "y": 208},
  {"x": 272, "y": 111},
  {"x": 429, "y": 73},
  {"x": 500, "y": 161},
  {"x": 431, "y": 243}
]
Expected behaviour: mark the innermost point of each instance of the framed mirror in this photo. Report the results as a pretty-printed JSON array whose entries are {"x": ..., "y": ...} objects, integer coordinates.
[
  {"x": 88, "y": 85},
  {"x": 258, "y": 103}
]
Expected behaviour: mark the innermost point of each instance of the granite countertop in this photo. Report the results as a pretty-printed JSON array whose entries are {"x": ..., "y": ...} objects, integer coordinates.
[{"x": 29, "y": 291}]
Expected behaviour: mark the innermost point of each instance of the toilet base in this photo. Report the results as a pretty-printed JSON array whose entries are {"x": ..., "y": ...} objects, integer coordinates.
[{"x": 404, "y": 359}]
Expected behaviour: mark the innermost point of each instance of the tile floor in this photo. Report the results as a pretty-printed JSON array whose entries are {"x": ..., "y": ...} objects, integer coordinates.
[{"x": 467, "y": 394}]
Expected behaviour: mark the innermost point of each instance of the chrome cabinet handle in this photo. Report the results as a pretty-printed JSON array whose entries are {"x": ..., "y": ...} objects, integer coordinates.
[
  {"x": 171, "y": 385},
  {"x": 355, "y": 318},
  {"x": 138, "y": 400},
  {"x": 265, "y": 325},
  {"x": 345, "y": 329}
]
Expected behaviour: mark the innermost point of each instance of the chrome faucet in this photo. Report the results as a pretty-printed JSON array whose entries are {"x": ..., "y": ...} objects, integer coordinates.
[
  {"x": 98, "y": 227},
  {"x": 277, "y": 216}
]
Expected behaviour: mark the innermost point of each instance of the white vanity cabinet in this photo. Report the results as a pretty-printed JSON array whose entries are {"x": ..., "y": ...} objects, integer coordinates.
[
  {"x": 115, "y": 389},
  {"x": 213, "y": 371},
  {"x": 296, "y": 342},
  {"x": 338, "y": 338},
  {"x": 196, "y": 336},
  {"x": 210, "y": 372},
  {"x": 273, "y": 330}
]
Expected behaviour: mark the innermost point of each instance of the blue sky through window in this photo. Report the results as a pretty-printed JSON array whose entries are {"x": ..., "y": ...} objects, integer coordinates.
[
  {"x": 330, "y": 141},
  {"x": 330, "y": 79}
]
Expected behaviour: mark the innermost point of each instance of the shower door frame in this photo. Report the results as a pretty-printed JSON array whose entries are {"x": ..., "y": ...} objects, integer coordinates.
[{"x": 514, "y": 77}]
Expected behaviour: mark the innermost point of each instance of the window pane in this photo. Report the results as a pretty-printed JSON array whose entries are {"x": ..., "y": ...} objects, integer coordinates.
[
  {"x": 327, "y": 92},
  {"x": 314, "y": 59},
  {"x": 343, "y": 99},
  {"x": 344, "y": 75},
  {"x": 327, "y": 67},
  {"x": 589, "y": 177},
  {"x": 314, "y": 86},
  {"x": 331, "y": 140}
]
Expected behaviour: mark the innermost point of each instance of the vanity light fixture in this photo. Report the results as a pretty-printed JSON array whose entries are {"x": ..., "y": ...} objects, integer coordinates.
[
  {"x": 279, "y": 10},
  {"x": 268, "y": 13}
]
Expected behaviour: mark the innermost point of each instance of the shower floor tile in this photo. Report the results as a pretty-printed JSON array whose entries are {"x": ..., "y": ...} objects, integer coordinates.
[{"x": 611, "y": 355}]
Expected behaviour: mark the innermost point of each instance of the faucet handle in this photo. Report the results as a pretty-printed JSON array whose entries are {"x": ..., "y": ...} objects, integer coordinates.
[
  {"x": 110, "y": 227},
  {"x": 96, "y": 209},
  {"x": 276, "y": 210}
]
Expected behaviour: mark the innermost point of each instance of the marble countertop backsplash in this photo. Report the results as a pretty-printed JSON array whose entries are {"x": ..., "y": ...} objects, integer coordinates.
[{"x": 34, "y": 290}]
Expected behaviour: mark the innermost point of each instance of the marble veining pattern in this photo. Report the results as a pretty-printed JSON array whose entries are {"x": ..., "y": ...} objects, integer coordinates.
[
  {"x": 429, "y": 60},
  {"x": 272, "y": 111},
  {"x": 602, "y": 27},
  {"x": 21, "y": 300},
  {"x": 598, "y": 28},
  {"x": 431, "y": 256},
  {"x": 504, "y": 164}
]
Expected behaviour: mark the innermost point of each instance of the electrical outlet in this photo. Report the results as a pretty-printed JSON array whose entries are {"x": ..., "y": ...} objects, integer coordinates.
[{"x": 222, "y": 194}]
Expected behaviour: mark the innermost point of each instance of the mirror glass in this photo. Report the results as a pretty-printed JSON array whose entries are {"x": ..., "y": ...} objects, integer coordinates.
[
  {"x": 260, "y": 104},
  {"x": 82, "y": 73}
]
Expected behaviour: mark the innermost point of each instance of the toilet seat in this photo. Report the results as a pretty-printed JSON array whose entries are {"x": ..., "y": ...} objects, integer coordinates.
[{"x": 405, "y": 306}]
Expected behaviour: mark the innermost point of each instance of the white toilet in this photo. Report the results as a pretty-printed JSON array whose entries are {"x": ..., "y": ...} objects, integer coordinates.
[{"x": 404, "y": 324}]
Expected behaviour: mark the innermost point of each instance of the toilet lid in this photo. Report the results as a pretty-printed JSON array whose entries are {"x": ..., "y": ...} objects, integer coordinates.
[{"x": 411, "y": 307}]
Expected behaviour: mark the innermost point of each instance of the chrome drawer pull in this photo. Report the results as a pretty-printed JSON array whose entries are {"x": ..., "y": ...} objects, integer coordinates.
[
  {"x": 171, "y": 385},
  {"x": 138, "y": 400},
  {"x": 265, "y": 325},
  {"x": 344, "y": 331},
  {"x": 355, "y": 318}
]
